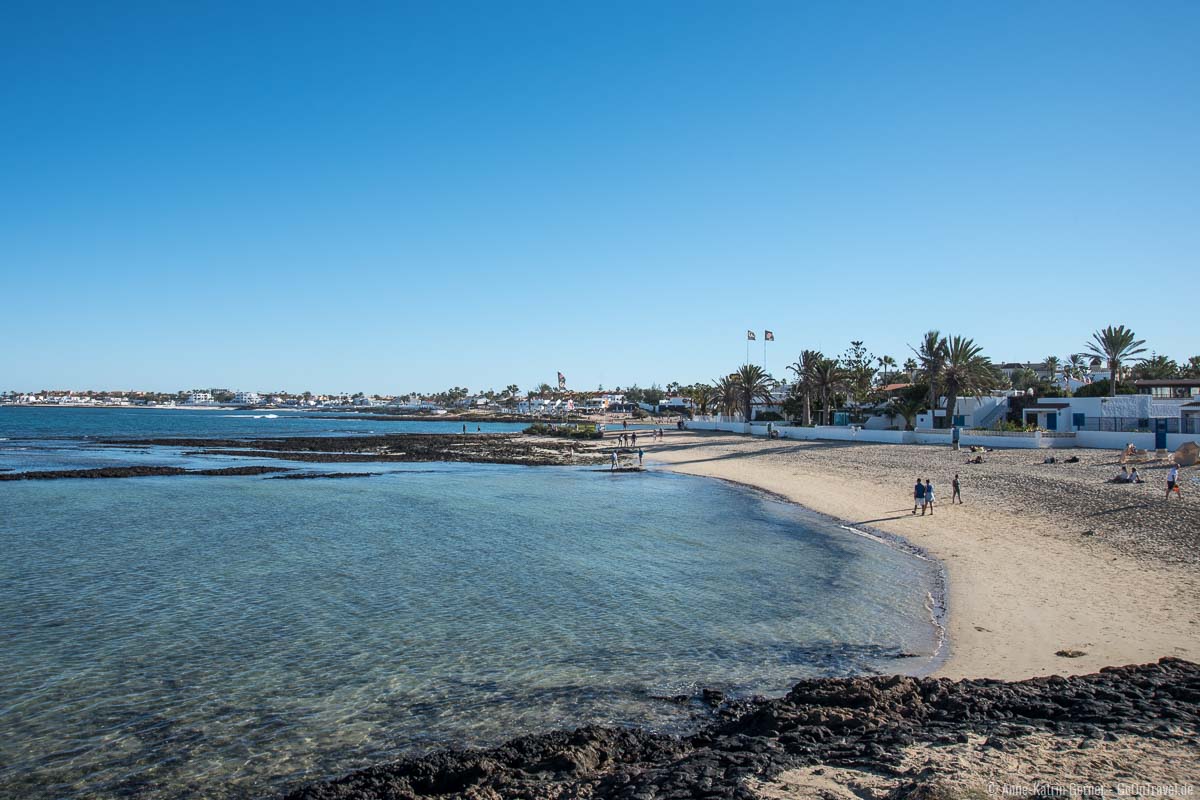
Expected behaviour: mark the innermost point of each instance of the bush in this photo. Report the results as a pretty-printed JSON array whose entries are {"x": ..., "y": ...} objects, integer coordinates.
[
  {"x": 769, "y": 416},
  {"x": 566, "y": 431},
  {"x": 1100, "y": 389}
]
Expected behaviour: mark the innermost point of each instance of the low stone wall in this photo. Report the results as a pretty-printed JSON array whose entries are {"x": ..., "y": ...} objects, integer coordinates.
[{"x": 1006, "y": 440}]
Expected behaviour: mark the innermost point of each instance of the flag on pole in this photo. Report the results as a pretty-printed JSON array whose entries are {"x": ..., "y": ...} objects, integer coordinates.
[
  {"x": 768, "y": 336},
  {"x": 562, "y": 381},
  {"x": 750, "y": 336}
]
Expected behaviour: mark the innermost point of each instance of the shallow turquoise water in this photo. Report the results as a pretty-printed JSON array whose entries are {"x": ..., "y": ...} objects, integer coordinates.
[{"x": 230, "y": 637}]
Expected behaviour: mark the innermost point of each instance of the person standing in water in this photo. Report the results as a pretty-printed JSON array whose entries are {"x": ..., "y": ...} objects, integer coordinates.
[
  {"x": 613, "y": 464},
  {"x": 928, "y": 498},
  {"x": 641, "y": 454},
  {"x": 957, "y": 493},
  {"x": 918, "y": 496}
]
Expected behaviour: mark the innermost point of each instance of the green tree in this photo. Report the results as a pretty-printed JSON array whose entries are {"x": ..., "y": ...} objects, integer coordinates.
[
  {"x": 653, "y": 395},
  {"x": 727, "y": 394},
  {"x": 887, "y": 370},
  {"x": 966, "y": 371},
  {"x": 1023, "y": 378},
  {"x": 828, "y": 379},
  {"x": 910, "y": 366},
  {"x": 1115, "y": 345},
  {"x": 858, "y": 367},
  {"x": 1156, "y": 368},
  {"x": 932, "y": 358},
  {"x": 752, "y": 384},
  {"x": 909, "y": 402},
  {"x": 1192, "y": 369},
  {"x": 803, "y": 385},
  {"x": 635, "y": 394},
  {"x": 1102, "y": 388}
]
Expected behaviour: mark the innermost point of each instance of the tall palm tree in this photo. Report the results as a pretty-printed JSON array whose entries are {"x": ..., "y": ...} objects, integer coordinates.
[
  {"x": 827, "y": 378},
  {"x": 804, "y": 379},
  {"x": 932, "y": 357},
  {"x": 966, "y": 371},
  {"x": 887, "y": 369},
  {"x": 1115, "y": 345},
  {"x": 910, "y": 366},
  {"x": 753, "y": 383}
]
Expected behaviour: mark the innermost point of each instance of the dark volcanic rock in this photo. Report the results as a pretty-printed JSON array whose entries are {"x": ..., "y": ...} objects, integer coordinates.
[
  {"x": 134, "y": 472},
  {"x": 303, "y": 476},
  {"x": 842, "y": 721},
  {"x": 486, "y": 448}
]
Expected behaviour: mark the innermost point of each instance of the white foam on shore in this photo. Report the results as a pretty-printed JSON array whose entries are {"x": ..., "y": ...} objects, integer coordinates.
[{"x": 910, "y": 550}]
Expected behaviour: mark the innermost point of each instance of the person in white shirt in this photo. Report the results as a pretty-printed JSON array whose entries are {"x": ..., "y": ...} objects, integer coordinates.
[{"x": 1173, "y": 481}]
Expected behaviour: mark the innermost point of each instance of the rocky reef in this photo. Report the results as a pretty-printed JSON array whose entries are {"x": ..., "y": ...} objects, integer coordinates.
[
  {"x": 134, "y": 471},
  {"x": 486, "y": 448},
  {"x": 863, "y": 723}
]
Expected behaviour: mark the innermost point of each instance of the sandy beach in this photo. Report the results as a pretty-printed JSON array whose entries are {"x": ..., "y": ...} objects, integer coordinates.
[{"x": 1041, "y": 559}]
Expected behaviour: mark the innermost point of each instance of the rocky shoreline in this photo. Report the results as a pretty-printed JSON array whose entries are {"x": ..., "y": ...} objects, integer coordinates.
[
  {"x": 135, "y": 471},
  {"x": 832, "y": 728},
  {"x": 484, "y": 448}
]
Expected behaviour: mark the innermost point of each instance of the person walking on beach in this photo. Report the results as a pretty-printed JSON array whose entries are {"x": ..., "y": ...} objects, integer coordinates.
[
  {"x": 957, "y": 493},
  {"x": 928, "y": 498},
  {"x": 919, "y": 496},
  {"x": 633, "y": 438},
  {"x": 624, "y": 424},
  {"x": 1173, "y": 482},
  {"x": 613, "y": 464},
  {"x": 641, "y": 453}
]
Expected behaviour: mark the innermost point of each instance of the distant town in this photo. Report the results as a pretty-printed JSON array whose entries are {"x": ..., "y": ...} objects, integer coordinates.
[{"x": 542, "y": 400}]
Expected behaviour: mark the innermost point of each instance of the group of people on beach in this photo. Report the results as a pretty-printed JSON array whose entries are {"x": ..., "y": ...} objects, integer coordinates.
[
  {"x": 923, "y": 496},
  {"x": 1128, "y": 476},
  {"x": 630, "y": 439}
]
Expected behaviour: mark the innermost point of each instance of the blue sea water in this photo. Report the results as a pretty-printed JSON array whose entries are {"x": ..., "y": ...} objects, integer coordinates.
[{"x": 235, "y": 636}]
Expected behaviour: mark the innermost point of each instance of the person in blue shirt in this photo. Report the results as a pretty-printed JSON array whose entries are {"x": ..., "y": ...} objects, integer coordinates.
[{"x": 918, "y": 496}]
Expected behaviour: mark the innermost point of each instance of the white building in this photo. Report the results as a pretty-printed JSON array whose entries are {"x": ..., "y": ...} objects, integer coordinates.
[
  {"x": 247, "y": 399},
  {"x": 199, "y": 399}
]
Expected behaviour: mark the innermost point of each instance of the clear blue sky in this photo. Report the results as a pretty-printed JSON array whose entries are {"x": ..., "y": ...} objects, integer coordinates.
[{"x": 392, "y": 196}]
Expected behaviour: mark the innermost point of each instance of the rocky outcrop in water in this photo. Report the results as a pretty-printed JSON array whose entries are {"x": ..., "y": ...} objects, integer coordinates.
[
  {"x": 858, "y": 722},
  {"x": 486, "y": 448},
  {"x": 143, "y": 471}
]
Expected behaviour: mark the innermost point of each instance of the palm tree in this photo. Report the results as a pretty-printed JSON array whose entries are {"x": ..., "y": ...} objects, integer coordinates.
[
  {"x": 702, "y": 396},
  {"x": 827, "y": 379},
  {"x": 887, "y": 369},
  {"x": 1077, "y": 366},
  {"x": 1052, "y": 365},
  {"x": 1023, "y": 378},
  {"x": 726, "y": 394},
  {"x": 907, "y": 406},
  {"x": 1115, "y": 345},
  {"x": 966, "y": 371},
  {"x": 932, "y": 355},
  {"x": 804, "y": 379},
  {"x": 753, "y": 383},
  {"x": 910, "y": 366}
]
